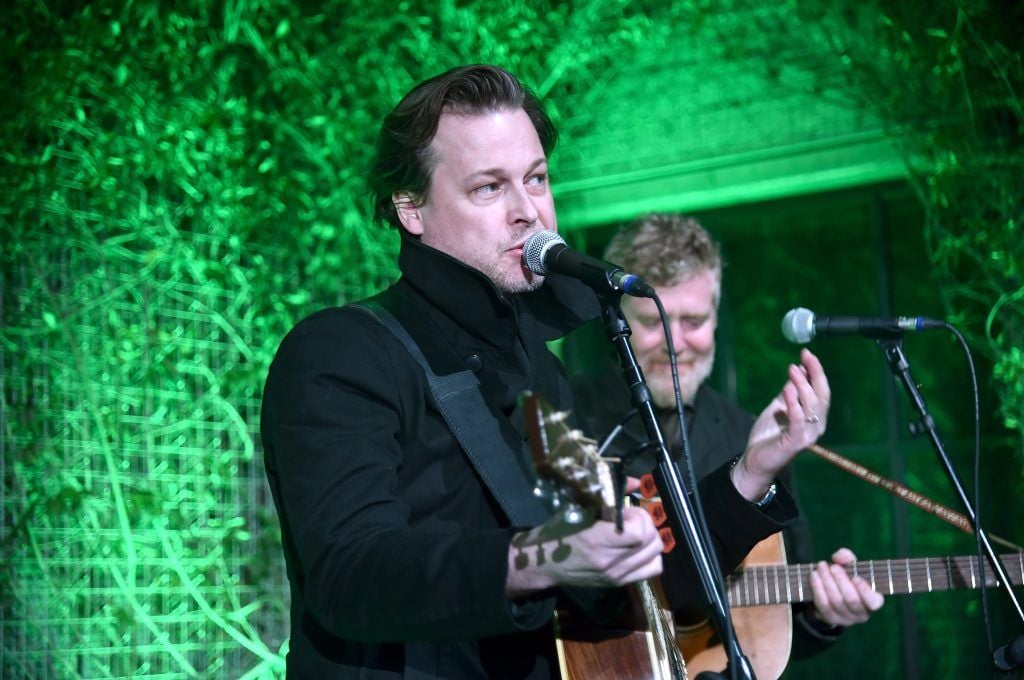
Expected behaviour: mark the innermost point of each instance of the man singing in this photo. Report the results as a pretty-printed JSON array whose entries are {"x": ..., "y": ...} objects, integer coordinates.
[{"x": 403, "y": 535}]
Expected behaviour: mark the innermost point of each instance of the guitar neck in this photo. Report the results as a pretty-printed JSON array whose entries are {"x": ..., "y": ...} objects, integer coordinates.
[{"x": 781, "y": 583}]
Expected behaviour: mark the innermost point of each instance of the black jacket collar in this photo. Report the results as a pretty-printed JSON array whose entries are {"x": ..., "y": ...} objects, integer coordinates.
[{"x": 469, "y": 298}]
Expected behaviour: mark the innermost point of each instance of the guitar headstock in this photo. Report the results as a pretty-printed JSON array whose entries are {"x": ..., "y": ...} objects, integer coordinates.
[
  {"x": 569, "y": 468},
  {"x": 573, "y": 477}
]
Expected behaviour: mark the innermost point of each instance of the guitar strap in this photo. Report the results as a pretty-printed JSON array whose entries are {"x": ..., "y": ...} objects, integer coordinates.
[{"x": 460, "y": 400}]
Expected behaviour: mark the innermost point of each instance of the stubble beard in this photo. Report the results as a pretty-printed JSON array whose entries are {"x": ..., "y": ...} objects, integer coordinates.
[
  {"x": 660, "y": 382},
  {"x": 515, "y": 283},
  {"x": 513, "y": 280}
]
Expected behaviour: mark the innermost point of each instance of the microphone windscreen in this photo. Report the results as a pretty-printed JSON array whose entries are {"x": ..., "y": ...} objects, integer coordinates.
[
  {"x": 798, "y": 325},
  {"x": 535, "y": 247}
]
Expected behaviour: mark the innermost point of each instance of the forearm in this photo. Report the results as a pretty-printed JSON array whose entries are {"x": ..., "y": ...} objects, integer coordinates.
[
  {"x": 751, "y": 484},
  {"x": 418, "y": 586},
  {"x": 597, "y": 555},
  {"x": 526, "y": 574}
]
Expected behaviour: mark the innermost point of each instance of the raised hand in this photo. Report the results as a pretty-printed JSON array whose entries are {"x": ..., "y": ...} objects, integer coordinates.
[{"x": 791, "y": 422}]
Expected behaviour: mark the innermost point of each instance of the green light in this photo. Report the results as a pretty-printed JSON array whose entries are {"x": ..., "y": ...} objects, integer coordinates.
[{"x": 181, "y": 184}]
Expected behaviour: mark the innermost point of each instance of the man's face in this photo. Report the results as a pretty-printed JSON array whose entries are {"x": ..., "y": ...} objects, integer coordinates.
[
  {"x": 693, "y": 317},
  {"x": 488, "y": 193}
]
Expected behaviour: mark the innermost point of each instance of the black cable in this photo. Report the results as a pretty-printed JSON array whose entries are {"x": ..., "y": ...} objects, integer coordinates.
[
  {"x": 977, "y": 485},
  {"x": 728, "y": 635}
]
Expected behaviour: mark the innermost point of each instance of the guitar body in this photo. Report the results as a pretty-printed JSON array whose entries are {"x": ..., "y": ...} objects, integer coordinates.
[
  {"x": 588, "y": 653},
  {"x": 761, "y": 591},
  {"x": 765, "y": 633},
  {"x": 628, "y": 647}
]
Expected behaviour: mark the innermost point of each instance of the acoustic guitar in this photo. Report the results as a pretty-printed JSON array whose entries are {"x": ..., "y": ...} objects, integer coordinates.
[
  {"x": 761, "y": 590},
  {"x": 638, "y": 645}
]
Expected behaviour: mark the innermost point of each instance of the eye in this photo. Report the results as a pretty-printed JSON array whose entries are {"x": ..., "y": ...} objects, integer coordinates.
[
  {"x": 540, "y": 179},
  {"x": 693, "y": 322},
  {"x": 487, "y": 189}
]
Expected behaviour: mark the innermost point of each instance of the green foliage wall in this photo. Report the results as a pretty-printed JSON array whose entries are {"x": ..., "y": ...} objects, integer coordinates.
[
  {"x": 946, "y": 77},
  {"x": 180, "y": 183}
]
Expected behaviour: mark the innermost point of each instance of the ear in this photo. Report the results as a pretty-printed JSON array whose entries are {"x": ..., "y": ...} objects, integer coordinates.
[{"x": 408, "y": 212}]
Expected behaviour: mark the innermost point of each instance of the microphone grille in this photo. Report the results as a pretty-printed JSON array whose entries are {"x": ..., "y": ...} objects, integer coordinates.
[
  {"x": 535, "y": 247},
  {"x": 798, "y": 325}
]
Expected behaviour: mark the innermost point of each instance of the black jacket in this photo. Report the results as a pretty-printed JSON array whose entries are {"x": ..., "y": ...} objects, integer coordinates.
[{"x": 396, "y": 550}]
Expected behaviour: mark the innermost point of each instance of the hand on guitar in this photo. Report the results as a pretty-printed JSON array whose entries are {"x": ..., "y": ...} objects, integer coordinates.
[
  {"x": 791, "y": 422},
  {"x": 597, "y": 555},
  {"x": 840, "y": 600}
]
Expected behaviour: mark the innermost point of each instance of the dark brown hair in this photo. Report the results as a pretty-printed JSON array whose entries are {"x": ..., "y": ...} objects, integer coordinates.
[{"x": 403, "y": 161}]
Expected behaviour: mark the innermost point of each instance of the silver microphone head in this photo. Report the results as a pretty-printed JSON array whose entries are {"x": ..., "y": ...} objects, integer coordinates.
[
  {"x": 798, "y": 325},
  {"x": 535, "y": 248}
]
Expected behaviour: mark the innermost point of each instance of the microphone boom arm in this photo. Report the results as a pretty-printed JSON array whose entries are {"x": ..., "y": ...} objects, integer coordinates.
[
  {"x": 893, "y": 351},
  {"x": 679, "y": 509}
]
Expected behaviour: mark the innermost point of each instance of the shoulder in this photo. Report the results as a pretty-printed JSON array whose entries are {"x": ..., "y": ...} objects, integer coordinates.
[
  {"x": 332, "y": 333},
  {"x": 341, "y": 346}
]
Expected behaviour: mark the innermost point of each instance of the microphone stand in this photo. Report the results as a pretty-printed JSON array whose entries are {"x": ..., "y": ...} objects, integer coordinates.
[
  {"x": 892, "y": 348},
  {"x": 680, "y": 510}
]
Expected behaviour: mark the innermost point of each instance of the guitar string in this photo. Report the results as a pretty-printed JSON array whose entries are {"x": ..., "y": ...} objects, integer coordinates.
[{"x": 915, "y": 571}]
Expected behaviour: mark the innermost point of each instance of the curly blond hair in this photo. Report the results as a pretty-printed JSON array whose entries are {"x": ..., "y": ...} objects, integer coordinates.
[{"x": 665, "y": 249}]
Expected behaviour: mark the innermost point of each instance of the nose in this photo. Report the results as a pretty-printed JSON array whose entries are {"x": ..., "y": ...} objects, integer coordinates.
[
  {"x": 679, "y": 335},
  {"x": 521, "y": 207}
]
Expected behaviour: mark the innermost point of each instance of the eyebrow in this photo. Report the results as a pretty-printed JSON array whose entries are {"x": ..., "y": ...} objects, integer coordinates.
[{"x": 497, "y": 172}]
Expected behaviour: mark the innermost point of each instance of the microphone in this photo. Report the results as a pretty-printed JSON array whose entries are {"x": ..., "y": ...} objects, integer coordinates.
[
  {"x": 547, "y": 253},
  {"x": 802, "y": 325}
]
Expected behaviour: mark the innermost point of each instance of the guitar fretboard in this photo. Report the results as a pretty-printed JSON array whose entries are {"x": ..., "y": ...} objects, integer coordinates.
[{"x": 782, "y": 583}]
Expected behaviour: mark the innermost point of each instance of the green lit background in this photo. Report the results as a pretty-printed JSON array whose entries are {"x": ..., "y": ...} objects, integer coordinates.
[{"x": 181, "y": 182}]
